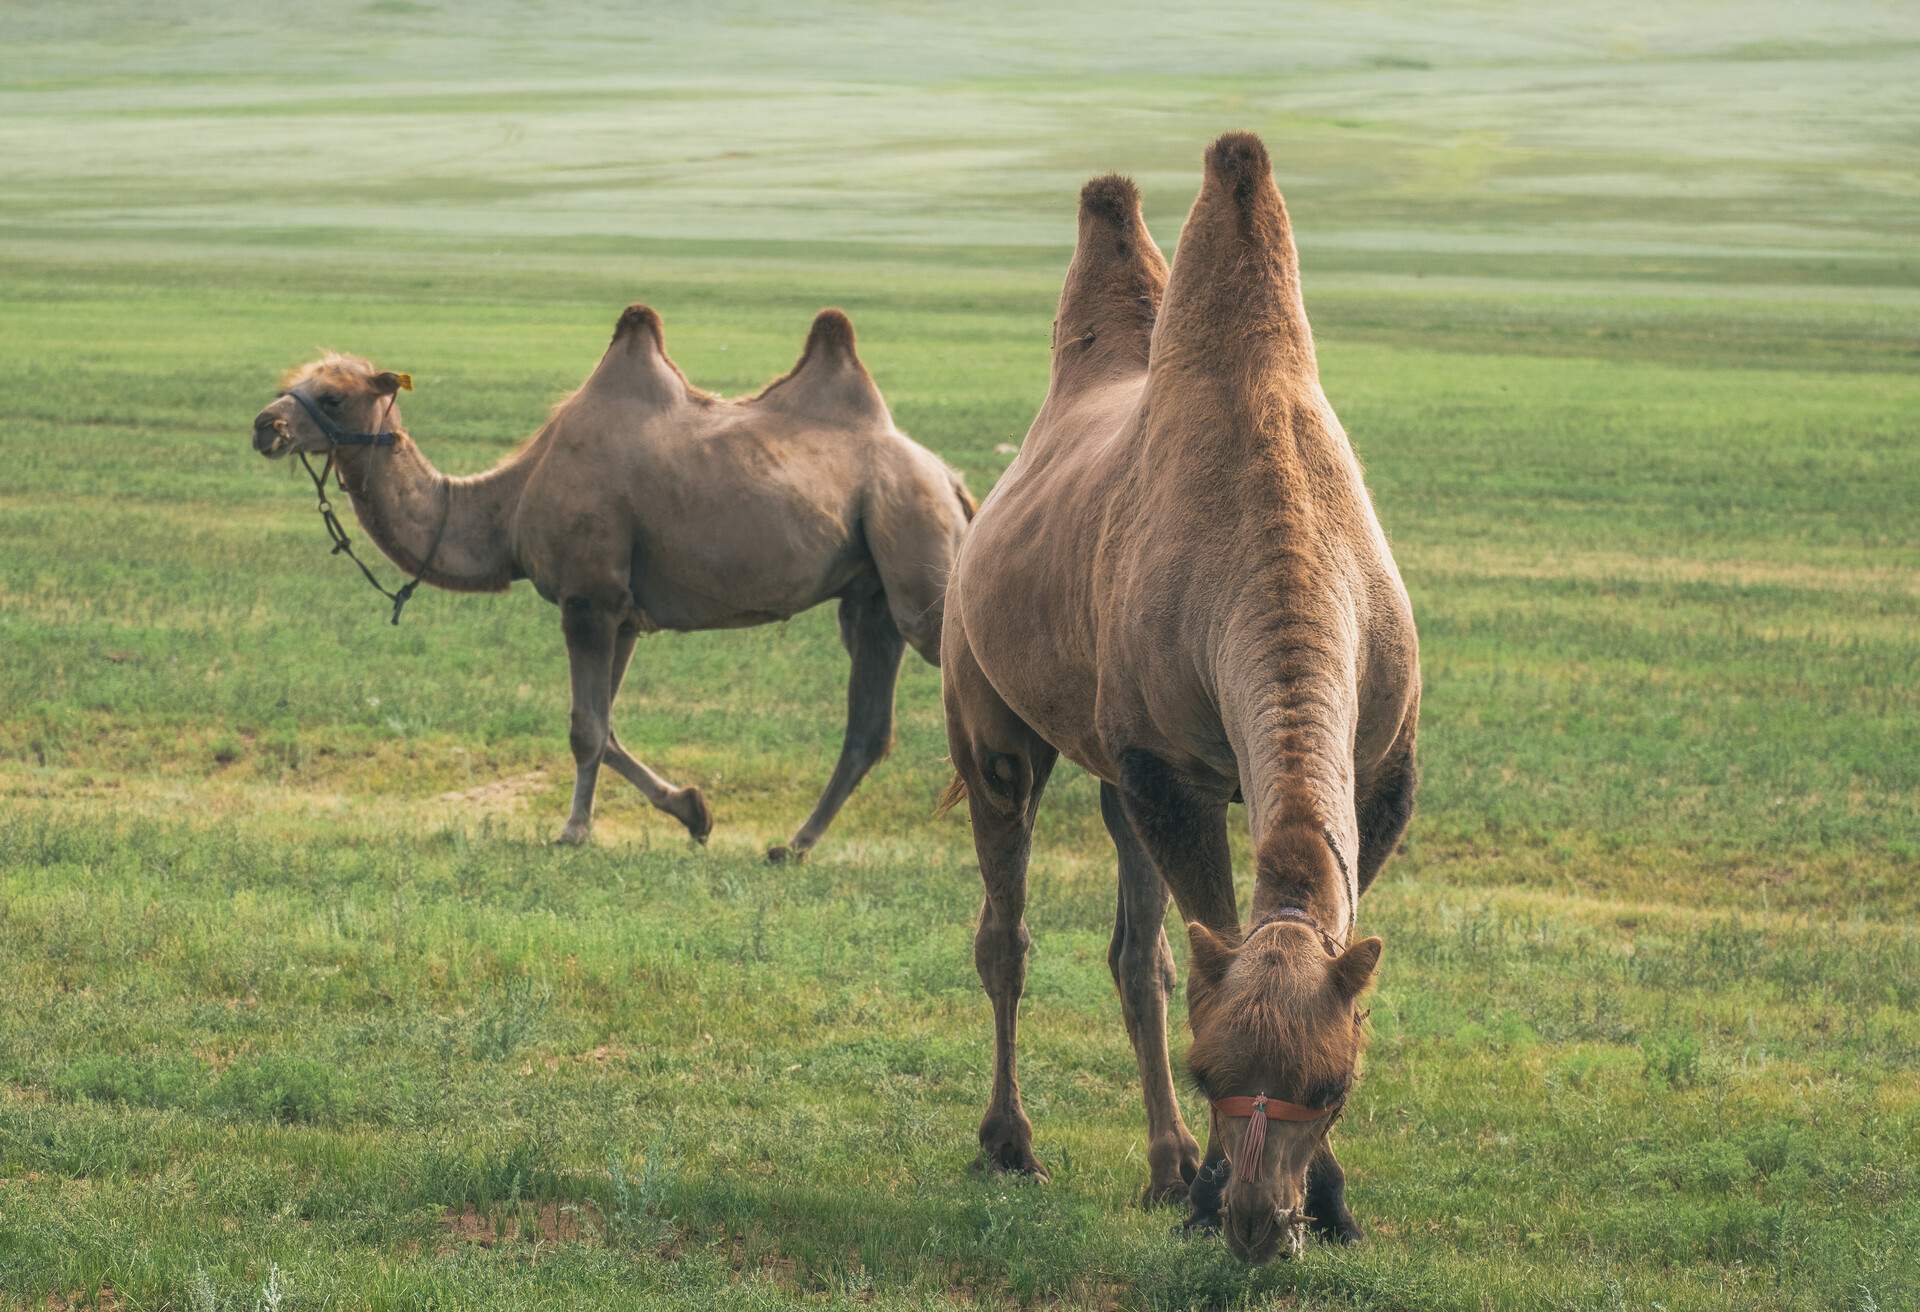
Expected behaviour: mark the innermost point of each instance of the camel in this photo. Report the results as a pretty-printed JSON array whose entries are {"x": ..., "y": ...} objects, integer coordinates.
[
  {"x": 645, "y": 503},
  {"x": 1180, "y": 584}
]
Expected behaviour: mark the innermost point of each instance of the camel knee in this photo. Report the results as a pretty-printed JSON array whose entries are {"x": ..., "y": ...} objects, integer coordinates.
[
  {"x": 1006, "y": 782},
  {"x": 587, "y": 735},
  {"x": 1000, "y": 954}
]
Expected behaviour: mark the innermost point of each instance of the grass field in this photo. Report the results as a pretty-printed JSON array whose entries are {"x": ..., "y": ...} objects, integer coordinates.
[{"x": 298, "y": 1010}]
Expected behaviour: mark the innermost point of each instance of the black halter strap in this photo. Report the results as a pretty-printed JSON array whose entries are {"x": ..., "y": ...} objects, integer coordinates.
[
  {"x": 338, "y": 437},
  {"x": 335, "y": 434}
]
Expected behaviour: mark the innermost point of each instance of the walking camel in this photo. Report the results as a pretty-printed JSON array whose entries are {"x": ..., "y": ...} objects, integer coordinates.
[
  {"x": 1180, "y": 584},
  {"x": 645, "y": 503}
]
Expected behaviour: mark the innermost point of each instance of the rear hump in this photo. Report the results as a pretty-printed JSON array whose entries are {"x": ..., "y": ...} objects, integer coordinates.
[{"x": 828, "y": 383}]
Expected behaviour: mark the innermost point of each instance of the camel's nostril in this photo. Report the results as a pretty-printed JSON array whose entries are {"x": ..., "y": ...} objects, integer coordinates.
[{"x": 1256, "y": 1239}]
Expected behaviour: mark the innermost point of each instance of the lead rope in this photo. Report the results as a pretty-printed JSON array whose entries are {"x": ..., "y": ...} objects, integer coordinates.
[{"x": 342, "y": 544}]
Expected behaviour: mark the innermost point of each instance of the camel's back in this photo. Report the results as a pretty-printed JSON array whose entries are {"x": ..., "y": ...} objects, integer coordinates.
[
  {"x": 732, "y": 512},
  {"x": 776, "y": 512}
]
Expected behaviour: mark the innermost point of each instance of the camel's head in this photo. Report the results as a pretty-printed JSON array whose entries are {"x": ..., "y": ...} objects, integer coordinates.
[
  {"x": 1277, "y": 1014},
  {"x": 319, "y": 403}
]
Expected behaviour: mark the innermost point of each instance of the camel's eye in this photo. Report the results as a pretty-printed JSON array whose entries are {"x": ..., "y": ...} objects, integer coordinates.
[
  {"x": 1198, "y": 1079},
  {"x": 1330, "y": 1094},
  {"x": 331, "y": 400}
]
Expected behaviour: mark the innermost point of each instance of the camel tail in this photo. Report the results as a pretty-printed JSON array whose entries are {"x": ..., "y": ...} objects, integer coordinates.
[
  {"x": 968, "y": 506},
  {"x": 1234, "y": 296},
  {"x": 951, "y": 796}
]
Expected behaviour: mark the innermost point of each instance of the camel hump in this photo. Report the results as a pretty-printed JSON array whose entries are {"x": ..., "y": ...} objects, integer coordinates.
[
  {"x": 638, "y": 318},
  {"x": 1112, "y": 198},
  {"x": 636, "y": 366},
  {"x": 1113, "y": 287},
  {"x": 828, "y": 382},
  {"x": 1237, "y": 161},
  {"x": 832, "y": 332},
  {"x": 1233, "y": 300}
]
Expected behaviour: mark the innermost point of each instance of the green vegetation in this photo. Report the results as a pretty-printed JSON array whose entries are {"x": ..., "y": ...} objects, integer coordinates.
[{"x": 297, "y": 1009}]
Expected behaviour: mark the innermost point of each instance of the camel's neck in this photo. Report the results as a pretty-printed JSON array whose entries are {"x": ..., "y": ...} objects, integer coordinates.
[
  {"x": 1296, "y": 866},
  {"x": 457, "y": 527}
]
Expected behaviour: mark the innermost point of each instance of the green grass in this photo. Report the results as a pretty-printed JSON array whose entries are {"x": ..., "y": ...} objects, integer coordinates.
[{"x": 298, "y": 1010}]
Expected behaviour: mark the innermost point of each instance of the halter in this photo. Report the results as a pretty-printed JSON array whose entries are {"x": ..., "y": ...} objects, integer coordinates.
[
  {"x": 338, "y": 437},
  {"x": 1259, "y": 1109},
  {"x": 1328, "y": 943}
]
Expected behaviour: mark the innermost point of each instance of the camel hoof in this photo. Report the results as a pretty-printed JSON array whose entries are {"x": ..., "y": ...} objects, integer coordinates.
[
  {"x": 1197, "y": 1226},
  {"x": 1010, "y": 1159},
  {"x": 691, "y": 810},
  {"x": 1342, "y": 1230},
  {"x": 1168, "y": 1193},
  {"x": 782, "y": 853},
  {"x": 574, "y": 836},
  {"x": 1172, "y": 1166}
]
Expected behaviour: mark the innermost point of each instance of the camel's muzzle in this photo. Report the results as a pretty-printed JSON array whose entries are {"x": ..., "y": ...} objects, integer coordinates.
[
  {"x": 1258, "y": 1239},
  {"x": 270, "y": 435}
]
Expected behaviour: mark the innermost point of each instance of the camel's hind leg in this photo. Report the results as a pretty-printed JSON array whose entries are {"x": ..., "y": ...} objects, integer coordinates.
[
  {"x": 870, "y": 636},
  {"x": 1003, "y": 765},
  {"x": 1143, "y": 972},
  {"x": 687, "y": 805}
]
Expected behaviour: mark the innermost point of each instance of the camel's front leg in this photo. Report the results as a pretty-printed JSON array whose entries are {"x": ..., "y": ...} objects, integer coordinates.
[
  {"x": 1327, "y": 1199},
  {"x": 687, "y": 805},
  {"x": 1143, "y": 972},
  {"x": 867, "y": 630},
  {"x": 590, "y": 632},
  {"x": 1186, "y": 838}
]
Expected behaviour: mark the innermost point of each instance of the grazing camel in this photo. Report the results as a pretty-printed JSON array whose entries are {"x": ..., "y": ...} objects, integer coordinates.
[
  {"x": 1181, "y": 585},
  {"x": 645, "y": 503}
]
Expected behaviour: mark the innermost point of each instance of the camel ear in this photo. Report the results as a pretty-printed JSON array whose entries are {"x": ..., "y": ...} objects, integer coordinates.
[
  {"x": 1353, "y": 970},
  {"x": 386, "y": 384},
  {"x": 1212, "y": 955}
]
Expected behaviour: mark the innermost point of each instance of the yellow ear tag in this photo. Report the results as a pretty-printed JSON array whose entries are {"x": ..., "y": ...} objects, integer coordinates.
[{"x": 406, "y": 382}]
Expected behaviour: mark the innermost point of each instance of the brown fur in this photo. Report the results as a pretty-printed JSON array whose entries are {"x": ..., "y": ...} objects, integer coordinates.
[
  {"x": 645, "y": 503},
  {"x": 1181, "y": 586}
]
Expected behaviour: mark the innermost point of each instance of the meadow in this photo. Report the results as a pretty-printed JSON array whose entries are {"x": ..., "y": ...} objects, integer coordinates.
[{"x": 299, "y": 1009}]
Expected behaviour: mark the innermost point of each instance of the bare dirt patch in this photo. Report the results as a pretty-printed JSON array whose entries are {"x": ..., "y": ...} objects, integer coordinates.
[
  {"x": 500, "y": 795},
  {"x": 550, "y": 1222}
]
